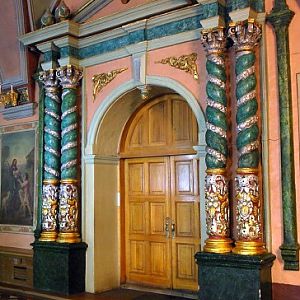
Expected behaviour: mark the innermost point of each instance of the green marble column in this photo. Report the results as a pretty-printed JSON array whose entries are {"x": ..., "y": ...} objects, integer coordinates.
[
  {"x": 69, "y": 78},
  {"x": 216, "y": 183},
  {"x": 51, "y": 173},
  {"x": 280, "y": 18},
  {"x": 245, "y": 36}
]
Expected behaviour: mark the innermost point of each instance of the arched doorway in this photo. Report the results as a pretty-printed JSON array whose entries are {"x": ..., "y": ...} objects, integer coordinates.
[
  {"x": 100, "y": 176},
  {"x": 160, "y": 195}
]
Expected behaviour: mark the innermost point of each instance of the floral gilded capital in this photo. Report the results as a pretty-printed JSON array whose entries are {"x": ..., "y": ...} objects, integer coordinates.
[
  {"x": 213, "y": 40},
  {"x": 245, "y": 35},
  {"x": 69, "y": 76},
  {"x": 49, "y": 79}
]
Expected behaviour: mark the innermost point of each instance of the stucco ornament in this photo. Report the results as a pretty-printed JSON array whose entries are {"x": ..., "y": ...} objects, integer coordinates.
[
  {"x": 248, "y": 207},
  {"x": 217, "y": 205},
  {"x": 216, "y": 184},
  {"x": 51, "y": 174}
]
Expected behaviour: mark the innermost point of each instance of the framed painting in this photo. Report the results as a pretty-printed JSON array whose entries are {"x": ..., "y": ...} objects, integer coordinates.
[{"x": 18, "y": 178}]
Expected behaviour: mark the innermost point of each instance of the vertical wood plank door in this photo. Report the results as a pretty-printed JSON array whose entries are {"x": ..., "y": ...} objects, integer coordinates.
[
  {"x": 147, "y": 194},
  {"x": 186, "y": 221},
  {"x": 162, "y": 221}
]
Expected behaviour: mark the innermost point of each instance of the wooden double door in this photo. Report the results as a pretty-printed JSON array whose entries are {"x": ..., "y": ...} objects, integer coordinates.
[{"x": 162, "y": 229}]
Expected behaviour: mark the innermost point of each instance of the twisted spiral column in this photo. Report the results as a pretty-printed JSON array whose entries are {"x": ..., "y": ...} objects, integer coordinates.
[
  {"x": 51, "y": 174},
  {"x": 216, "y": 183},
  {"x": 69, "y": 78},
  {"x": 245, "y": 36}
]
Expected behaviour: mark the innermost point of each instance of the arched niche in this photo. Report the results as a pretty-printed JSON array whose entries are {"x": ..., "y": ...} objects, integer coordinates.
[{"x": 100, "y": 176}]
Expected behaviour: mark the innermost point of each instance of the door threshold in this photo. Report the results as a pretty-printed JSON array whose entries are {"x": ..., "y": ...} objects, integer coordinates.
[{"x": 168, "y": 292}]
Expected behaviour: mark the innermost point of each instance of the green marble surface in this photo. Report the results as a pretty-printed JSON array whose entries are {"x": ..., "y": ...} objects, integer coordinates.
[
  {"x": 59, "y": 268},
  {"x": 248, "y": 134},
  {"x": 280, "y": 18},
  {"x": 215, "y": 116},
  {"x": 69, "y": 100},
  {"x": 232, "y": 276}
]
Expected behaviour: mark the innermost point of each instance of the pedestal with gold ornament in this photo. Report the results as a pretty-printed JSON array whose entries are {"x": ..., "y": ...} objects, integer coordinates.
[
  {"x": 69, "y": 78},
  {"x": 59, "y": 266},
  {"x": 245, "y": 36},
  {"x": 51, "y": 173},
  {"x": 216, "y": 183}
]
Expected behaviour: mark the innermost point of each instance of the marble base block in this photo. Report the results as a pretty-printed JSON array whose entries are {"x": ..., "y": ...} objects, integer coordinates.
[
  {"x": 232, "y": 276},
  {"x": 59, "y": 268}
]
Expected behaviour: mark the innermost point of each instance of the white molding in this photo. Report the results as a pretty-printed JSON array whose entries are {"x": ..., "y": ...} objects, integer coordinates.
[
  {"x": 102, "y": 58},
  {"x": 213, "y": 22},
  {"x": 136, "y": 13},
  {"x": 243, "y": 14},
  {"x": 89, "y": 9},
  {"x": 151, "y": 80},
  {"x": 103, "y": 160},
  {"x": 188, "y": 12},
  {"x": 50, "y": 32},
  {"x": 174, "y": 39}
]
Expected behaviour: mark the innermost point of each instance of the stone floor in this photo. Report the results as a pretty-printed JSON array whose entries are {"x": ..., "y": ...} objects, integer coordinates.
[{"x": 118, "y": 294}]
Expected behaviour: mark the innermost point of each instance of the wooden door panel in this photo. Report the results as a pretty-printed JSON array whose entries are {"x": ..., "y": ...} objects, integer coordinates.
[
  {"x": 158, "y": 183},
  {"x": 186, "y": 267},
  {"x": 185, "y": 219},
  {"x": 146, "y": 210},
  {"x": 184, "y": 180},
  {"x": 159, "y": 259},
  {"x": 136, "y": 179},
  {"x": 137, "y": 213},
  {"x": 157, "y": 218},
  {"x": 185, "y": 211},
  {"x": 158, "y": 116},
  {"x": 137, "y": 257}
]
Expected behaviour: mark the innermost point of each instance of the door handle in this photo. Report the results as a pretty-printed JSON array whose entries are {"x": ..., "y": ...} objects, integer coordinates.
[
  {"x": 167, "y": 227},
  {"x": 173, "y": 229}
]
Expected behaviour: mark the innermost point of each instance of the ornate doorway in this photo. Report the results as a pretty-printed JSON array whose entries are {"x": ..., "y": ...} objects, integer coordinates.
[{"x": 160, "y": 192}]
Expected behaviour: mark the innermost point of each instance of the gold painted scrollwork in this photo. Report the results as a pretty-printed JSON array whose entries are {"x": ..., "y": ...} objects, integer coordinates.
[
  {"x": 103, "y": 79},
  {"x": 185, "y": 63}
]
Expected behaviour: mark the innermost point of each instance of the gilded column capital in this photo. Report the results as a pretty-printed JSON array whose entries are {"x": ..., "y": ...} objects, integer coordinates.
[
  {"x": 69, "y": 76},
  {"x": 245, "y": 34},
  {"x": 214, "y": 40},
  {"x": 49, "y": 80}
]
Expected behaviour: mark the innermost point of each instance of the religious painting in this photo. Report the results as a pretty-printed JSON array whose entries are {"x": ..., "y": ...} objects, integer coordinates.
[{"x": 17, "y": 179}]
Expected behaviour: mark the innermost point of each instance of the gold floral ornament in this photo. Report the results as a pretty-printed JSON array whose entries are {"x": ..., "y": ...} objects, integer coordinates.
[
  {"x": 186, "y": 63},
  {"x": 103, "y": 79}
]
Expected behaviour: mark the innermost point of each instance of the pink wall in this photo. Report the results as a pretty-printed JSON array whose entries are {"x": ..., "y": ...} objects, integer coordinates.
[
  {"x": 9, "y": 47},
  {"x": 117, "y": 6},
  {"x": 279, "y": 275},
  {"x": 197, "y": 87}
]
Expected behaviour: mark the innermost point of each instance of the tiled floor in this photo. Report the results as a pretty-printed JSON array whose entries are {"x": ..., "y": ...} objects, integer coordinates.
[{"x": 118, "y": 294}]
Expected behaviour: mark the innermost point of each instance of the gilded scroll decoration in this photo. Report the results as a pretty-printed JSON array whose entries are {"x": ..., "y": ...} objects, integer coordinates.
[
  {"x": 217, "y": 205},
  {"x": 185, "y": 63},
  {"x": 216, "y": 183},
  {"x": 103, "y": 79}
]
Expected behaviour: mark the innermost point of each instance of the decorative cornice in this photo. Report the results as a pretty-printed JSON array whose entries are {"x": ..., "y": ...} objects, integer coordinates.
[
  {"x": 103, "y": 79},
  {"x": 185, "y": 63},
  {"x": 245, "y": 34},
  {"x": 213, "y": 40},
  {"x": 280, "y": 15},
  {"x": 69, "y": 76},
  {"x": 49, "y": 79}
]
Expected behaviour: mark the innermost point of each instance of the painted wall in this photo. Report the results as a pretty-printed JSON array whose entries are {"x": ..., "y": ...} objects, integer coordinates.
[{"x": 279, "y": 275}]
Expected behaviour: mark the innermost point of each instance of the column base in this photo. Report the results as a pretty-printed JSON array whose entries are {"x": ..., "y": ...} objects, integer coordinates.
[
  {"x": 59, "y": 268},
  {"x": 249, "y": 248},
  {"x": 68, "y": 237},
  {"x": 222, "y": 245},
  {"x": 231, "y": 276},
  {"x": 48, "y": 236}
]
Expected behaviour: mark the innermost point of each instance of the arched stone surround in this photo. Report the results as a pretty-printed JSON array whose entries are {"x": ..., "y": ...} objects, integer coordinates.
[{"x": 100, "y": 177}]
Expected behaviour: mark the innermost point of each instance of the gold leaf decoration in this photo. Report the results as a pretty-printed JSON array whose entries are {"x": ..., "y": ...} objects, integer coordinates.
[
  {"x": 186, "y": 63},
  {"x": 103, "y": 79}
]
